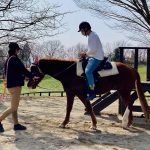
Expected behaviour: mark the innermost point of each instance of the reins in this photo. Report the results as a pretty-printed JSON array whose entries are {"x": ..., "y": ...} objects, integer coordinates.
[{"x": 57, "y": 74}]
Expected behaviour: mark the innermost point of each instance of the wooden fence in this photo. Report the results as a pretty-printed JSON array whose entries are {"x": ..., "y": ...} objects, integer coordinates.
[{"x": 48, "y": 93}]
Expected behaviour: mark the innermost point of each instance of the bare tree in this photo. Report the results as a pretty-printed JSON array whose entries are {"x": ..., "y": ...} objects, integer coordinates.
[
  {"x": 3, "y": 57},
  {"x": 51, "y": 48},
  {"x": 74, "y": 51},
  {"x": 22, "y": 20},
  {"x": 129, "y": 15},
  {"x": 47, "y": 49},
  {"x": 63, "y": 54},
  {"x": 57, "y": 50},
  {"x": 25, "y": 54},
  {"x": 109, "y": 47},
  {"x": 112, "y": 51}
]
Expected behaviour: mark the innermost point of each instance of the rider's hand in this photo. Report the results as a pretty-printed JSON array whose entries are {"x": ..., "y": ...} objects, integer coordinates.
[{"x": 82, "y": 54}]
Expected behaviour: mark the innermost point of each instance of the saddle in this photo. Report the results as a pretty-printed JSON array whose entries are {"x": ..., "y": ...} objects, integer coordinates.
[{"x": 104, "y": 65}]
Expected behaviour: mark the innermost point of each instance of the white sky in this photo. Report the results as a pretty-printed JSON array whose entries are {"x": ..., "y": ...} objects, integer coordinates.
[{"x": 72, "y": 37}]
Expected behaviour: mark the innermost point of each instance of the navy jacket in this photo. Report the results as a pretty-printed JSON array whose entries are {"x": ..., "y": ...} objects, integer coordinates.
[{"x": 15, "y": 72}]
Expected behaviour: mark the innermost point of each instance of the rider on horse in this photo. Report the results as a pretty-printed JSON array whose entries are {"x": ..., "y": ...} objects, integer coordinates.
[{"x": 94, "y": 55}]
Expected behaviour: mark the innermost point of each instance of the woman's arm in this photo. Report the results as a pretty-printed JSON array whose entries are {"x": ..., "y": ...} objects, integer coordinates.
[{"x": 21, "y": 68}]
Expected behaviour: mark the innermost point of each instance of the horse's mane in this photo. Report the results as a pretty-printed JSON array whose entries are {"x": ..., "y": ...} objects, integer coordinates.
[{"x": 60, "y": 59}]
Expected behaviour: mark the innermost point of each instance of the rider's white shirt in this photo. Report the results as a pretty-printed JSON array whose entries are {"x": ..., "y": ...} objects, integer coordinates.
[{"x": 95, "y": 48}]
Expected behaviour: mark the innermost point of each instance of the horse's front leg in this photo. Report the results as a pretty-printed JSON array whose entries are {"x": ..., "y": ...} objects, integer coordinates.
[
  {"x": 93, "y": 117},
  {"x": 70, "y": 99},
  {"x": 89, "y": 109},
  {"x": 127, "y": 117}
]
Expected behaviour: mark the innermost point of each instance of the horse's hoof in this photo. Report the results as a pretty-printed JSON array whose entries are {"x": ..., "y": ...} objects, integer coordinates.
[
  {"x": 126, "y": 126},
  {"x": 130, "y": 124},
  {"x": 62, "y": 126},
  {"x": 86, "y": 113},
  {"x": 94, "y": 128}
]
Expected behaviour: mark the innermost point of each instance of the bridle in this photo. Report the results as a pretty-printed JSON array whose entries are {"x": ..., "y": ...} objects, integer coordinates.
[
  {"x": 55, "y": 75},
  {"x": 40, "y": 71}
]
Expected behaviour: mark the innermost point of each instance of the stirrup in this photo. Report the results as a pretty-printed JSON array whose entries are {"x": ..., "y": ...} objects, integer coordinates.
[{"x": 91, "y": 96}]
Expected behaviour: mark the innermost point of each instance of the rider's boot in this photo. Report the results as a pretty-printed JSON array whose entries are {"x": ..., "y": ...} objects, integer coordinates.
[{"x": 91, "y": 93}]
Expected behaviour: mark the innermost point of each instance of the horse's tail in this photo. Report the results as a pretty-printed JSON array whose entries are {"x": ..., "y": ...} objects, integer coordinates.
[{"x": 144, "y": 105}]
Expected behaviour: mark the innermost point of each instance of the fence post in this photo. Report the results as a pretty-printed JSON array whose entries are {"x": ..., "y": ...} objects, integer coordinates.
[
  {"x": 136, "y": 59},
  {"x": 61, "y": 94},
  {"x": 148, "y": 65},
  {"x": 121, "y": 54}
]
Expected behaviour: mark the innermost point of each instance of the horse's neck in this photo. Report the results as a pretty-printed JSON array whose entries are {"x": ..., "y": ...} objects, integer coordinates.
[{"x": 56, "y": 68}]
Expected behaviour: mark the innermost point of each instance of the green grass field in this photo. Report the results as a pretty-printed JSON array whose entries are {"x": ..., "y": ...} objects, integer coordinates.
[
  {"x": 50, "y": 84},
  {"x": 47, "y": 84},
  {"x": 142, "y": 72}
]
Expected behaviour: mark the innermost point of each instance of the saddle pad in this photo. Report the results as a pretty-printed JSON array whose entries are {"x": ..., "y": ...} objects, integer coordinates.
[{"x": 102, "y": 73}]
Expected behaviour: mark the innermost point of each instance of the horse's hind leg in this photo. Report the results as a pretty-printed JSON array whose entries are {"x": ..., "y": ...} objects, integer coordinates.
[
  {"x": 127, "y": 117},
  {"x": 70, "y": 99},
  {"x": 89, "y": 109}
]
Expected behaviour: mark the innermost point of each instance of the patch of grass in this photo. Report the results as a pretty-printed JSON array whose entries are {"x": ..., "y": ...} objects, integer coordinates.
[
  {"x": 142, "y": 72},
  {"x": 47, "y": 84},
  {"x": 1, "y": 86}
]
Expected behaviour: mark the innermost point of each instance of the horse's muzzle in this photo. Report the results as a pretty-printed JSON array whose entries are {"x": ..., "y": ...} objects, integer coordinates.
[{"x": 33, "y": 83}]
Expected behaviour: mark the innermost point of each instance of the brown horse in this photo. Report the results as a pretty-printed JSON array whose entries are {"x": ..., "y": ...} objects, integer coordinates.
[{"x": 65, "y": 71}]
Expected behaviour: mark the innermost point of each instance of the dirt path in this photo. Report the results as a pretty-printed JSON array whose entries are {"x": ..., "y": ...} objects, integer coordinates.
[{"x": 42, "y": 115}]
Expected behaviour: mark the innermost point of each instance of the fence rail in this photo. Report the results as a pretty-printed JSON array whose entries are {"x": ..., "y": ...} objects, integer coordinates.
[
  {"x": 62, "y": 93},
  {"x": 49, "y": 93}
]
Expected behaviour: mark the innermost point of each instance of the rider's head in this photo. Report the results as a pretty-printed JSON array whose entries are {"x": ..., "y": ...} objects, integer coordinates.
[{"x": 84, "y": 28}]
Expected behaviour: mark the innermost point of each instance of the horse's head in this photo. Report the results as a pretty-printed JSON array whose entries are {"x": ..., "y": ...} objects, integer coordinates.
[{"x": 36, "y": 71}]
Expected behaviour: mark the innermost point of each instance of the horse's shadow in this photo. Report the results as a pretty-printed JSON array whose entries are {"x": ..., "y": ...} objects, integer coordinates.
[
  {"x": 112, "y": 139},
  {"x": 138, "y": 122},
  {"x": 37, "y": 138}
]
